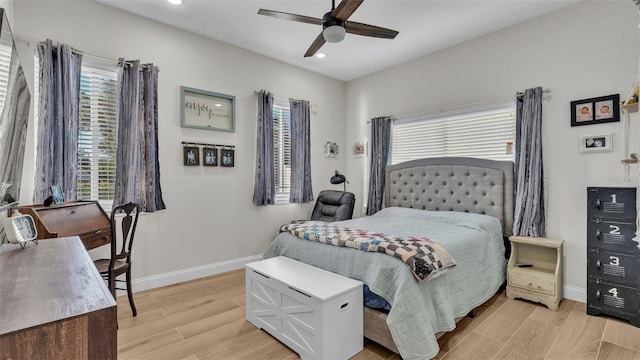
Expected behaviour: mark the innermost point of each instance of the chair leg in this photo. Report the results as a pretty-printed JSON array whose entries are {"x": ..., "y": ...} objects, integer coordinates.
[
  {"x": 111, "y": 280},
  {"x": 130, "y": 293}
]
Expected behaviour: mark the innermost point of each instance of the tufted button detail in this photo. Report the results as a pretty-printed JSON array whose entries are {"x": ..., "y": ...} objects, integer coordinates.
[
  {"x": 459, "y": 201},
  {"x": 437, "y": 209},
  {"x": 437, "y": 174},
  {"x": 430, "y": 183}
]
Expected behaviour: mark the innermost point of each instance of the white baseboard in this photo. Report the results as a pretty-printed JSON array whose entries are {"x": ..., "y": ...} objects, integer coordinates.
[
  {"x": 575, "y": 293},
  {"x": 155, "y": 281}
]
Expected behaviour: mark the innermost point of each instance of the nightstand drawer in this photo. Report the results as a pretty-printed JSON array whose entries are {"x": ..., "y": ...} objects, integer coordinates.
[{"x": 533, "y": 284}]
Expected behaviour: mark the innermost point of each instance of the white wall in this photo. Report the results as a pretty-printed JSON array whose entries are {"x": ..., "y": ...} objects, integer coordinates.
[
  {"x": 587, "y": 50},
  {"x": 210, "y": 217}
]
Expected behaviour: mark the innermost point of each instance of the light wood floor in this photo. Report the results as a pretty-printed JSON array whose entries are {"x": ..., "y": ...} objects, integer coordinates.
[{"x": 204, "y": 319}]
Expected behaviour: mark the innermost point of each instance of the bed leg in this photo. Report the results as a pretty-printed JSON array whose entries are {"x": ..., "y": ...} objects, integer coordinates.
[{"x": 472, "y": 313}]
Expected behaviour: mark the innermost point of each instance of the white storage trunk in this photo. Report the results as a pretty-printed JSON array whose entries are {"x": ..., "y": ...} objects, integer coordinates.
[{"x": 315, "y": 312}]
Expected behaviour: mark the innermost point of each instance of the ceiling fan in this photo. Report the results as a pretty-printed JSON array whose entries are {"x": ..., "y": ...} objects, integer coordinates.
[{"x": 334, "y": 24}]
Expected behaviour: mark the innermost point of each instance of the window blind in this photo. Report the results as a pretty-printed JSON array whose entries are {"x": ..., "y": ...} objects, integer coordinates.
[
  {"x": 5, "y": 64},
  {"x": 282, "y": 151},
  {"x": 488, "y": 134},
  {"x": 97, "y": 135}
]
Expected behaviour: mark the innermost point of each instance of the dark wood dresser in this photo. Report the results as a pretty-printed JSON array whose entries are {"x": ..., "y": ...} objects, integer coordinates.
[
  {"x": 83, "y": 218},
  {"x": 613, "y": 267},
  {"x": 54, "y": 304}
]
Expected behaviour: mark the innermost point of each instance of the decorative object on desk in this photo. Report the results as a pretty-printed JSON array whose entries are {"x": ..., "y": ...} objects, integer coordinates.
[
  {"x": 209, "y": 156},
  {"x": 48, "y": 201},
  {"x": 207, "y": 110},
  {"x": 191, "y": 155},
  {"x": 338, "y": 178},
  {"x": 359, "y": 149},
  {"x": 228, "y": 157},
  {"x": 56, "y": 192},
  {"x": 20, "y": 228},
  {"x": 331, "y": 149},
  {"x": 595, "y": 143},
  {"x": 598, "y": 110}
]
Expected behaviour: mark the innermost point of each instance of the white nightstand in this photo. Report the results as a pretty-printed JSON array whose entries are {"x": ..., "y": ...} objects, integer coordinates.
[{"x": 535, "y": 270}]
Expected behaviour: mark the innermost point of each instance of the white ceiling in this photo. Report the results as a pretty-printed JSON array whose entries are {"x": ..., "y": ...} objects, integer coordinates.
[{"x": 425, "y": 26}]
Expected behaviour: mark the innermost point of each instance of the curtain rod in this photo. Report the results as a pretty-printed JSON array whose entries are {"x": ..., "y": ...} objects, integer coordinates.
[
  {"x": 461, "y": 107},
  {"x": 78, "y": 52},
  {"x": 546, "y": 91},
  {"x": 256, "y": 92},
  {"x": 187, "y": 143}
]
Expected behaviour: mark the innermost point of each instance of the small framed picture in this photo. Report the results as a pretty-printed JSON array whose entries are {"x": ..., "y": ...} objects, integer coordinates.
[
  {"x": 191, "y": 155},
  {"x": 228, "y": 157},
  {"x": 359, "y": 149},
  {"x": 595, "y": 143},
  {"x": 209, "y": 156},
  {"x": 598, "y": 110},
  {"x": 58, "y": 196},
  {"x": 331, "y": 149}
]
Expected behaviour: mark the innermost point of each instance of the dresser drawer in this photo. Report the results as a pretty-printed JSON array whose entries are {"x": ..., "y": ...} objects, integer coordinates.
[
  {"x": 611, "y": 203},
  {"x": 611, "y": 298},
  {"x": 532, "y": 284},
  {"x": 613, "y": 266},
  {"x": 616, "y": 235}
]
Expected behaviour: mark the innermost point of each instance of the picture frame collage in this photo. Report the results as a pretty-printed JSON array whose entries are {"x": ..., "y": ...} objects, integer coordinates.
[
  {"x": 598, "y": 110},
  {"x": 211, "y": 154}
]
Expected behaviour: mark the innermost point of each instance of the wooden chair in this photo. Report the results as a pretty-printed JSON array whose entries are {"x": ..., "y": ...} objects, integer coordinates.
[{"x": 120, "y": 263}]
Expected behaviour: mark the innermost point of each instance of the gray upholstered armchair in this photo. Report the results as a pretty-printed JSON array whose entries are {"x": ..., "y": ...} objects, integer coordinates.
[{"x": 333, "y": 205}]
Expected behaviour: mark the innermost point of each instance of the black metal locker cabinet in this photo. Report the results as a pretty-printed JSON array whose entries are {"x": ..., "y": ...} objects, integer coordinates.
[{"x": 613, "y": 256}]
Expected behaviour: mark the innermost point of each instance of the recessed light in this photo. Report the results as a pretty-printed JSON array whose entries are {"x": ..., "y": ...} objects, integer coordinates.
[
  {"x": 320, "y": 55},
  {"x": 218, "y": 105},
  {"x": 175, "y": 2}
]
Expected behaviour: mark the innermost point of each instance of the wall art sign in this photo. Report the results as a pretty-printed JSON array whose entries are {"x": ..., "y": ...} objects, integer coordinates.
[
  {"x": 208, "y": 110},
  {"x": 598, "y": 110}
]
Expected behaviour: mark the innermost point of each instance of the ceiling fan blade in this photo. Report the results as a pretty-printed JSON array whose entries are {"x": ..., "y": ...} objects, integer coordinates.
[
  {"x": 369, "y": 30},
  {"x": 317, "y": 44},
  {"x": 292, "y": 17},
  {"x": 346, "y": 8}
]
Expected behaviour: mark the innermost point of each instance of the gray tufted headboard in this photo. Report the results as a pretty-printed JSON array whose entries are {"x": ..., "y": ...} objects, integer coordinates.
[{"x": 454, "y": 184}]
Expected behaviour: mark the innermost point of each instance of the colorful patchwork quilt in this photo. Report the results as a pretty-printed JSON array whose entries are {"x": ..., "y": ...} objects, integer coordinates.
[{"x": 424, "y": 257}]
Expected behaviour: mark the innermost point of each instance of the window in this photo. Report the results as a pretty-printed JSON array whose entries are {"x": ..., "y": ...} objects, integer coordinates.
[
  {"x": 482, "y": 133},
  {"x": 97, "y": 135},
  {"x": 282, "y": 151}
]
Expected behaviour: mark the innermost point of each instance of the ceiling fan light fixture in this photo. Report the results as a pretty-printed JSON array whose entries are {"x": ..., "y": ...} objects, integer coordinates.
[
  {"x": 334, "y": 34},
  {"x": 175, "y": 2}
]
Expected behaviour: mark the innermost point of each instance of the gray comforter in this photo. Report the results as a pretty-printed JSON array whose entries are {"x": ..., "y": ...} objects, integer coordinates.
[{"x": 419, "y": 310}]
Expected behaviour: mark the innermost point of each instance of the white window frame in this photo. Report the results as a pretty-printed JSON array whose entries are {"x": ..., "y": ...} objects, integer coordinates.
[
  {"x": 103, "y": 118},
  {"x": 455, "y": 133},
  {"x": 282, "y": 151}
]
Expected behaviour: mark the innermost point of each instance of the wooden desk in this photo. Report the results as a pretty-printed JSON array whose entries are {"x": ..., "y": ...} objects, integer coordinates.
[
  {"x": 54, "y": 304},
  {"x": 83, "y": 218}
]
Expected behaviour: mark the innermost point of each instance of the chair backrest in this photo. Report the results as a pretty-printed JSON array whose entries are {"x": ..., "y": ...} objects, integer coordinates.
[
  {"x": 333, "y": 205},
  {"x": 128, "y": 229}
]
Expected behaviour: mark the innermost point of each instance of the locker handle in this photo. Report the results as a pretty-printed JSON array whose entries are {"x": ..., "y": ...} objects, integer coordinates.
[
  {"x": 598, "y": 294},
  {"x": 598, "y": 264},
  {"x": 598, "y": 234},
  {"x": 598, "y": 204}
]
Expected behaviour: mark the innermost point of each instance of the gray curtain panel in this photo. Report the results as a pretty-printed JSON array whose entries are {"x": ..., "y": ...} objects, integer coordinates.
[
  {"x": 137, "y": 163},
  {"x": 13, "y": 126},
  {"x": 57, "y": 138},
  {"x": 264, "y": 191},
  {"x": 301, "y": 190},
  {"x": 380, "y": 145},
  {"x": 529, "y": 218}
]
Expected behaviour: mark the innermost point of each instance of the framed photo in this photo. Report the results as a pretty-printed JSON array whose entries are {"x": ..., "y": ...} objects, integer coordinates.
[
  {"x": 227, "y": 157},
  {"x": 331, "y": 149},
  {"x": 202, "y": 109},
  {"x": 191, "y": 155},
  {"x": 359, "y": 149},
  {"x": 209, "y": 156},
  {"x": 598, "y": 110},
  {"x": 56, "y": 192},
  {"x": 595, "y": 143}
]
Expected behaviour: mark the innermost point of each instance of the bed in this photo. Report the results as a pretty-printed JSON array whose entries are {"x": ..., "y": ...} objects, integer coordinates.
[{"x": 463, "y": 203}]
